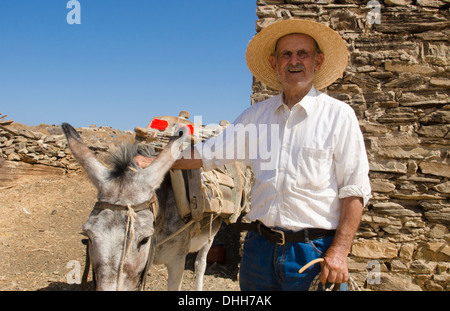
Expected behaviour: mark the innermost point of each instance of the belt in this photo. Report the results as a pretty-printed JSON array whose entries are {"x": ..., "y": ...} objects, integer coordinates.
[{"x": 282, "y": 237}]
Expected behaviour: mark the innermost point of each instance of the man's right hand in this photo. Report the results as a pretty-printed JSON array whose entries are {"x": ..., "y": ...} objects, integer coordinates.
[
  {"x": 181, "y": 164},
  {"x": 143, "y": 162}
]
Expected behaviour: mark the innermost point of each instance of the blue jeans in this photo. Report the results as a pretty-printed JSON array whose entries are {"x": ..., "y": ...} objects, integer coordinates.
[{"x": 272, "y": 267}]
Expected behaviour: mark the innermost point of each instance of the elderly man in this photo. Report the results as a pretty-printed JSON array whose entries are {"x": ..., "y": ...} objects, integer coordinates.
[{"x": 311, "y": 186}]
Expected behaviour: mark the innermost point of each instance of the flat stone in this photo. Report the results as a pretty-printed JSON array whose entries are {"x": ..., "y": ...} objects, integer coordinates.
[
  {"x": 435, "y": 168},
  {"x": 398, "y": 118},
  {"x": 396, "y": 282},
  {"x": 374, "y": 249},
  {"x": 436, "y": 117},
  {"x": 397, "y": 265},
  {"x": 443, "y": 188},
  {"x": 437, "y": 232},
  {"x": 430, "y": 3},
  {"x": 373, "y": 128},
  {"x": 440, "y": 216},
  {"x": 393, "y": 209},
  {"x": 397, "y": 2},
  {"x": 403, "y": 141},
  {"x": 431, "y": 36},
  {"x": 417, "y": 196},
  {"x": 435, "y": 131},
  {"x": 421, "y": 266},
  {"x": 391, "y": 166},
  {"x": 408, "y": 68},
  {"x": 386, "y": 221},
  {"x": 411, "y": 22},
  {"x": 382, "y": 185},
  {"x": 403, "y": 153},
  {"x": 440, "y": 82},
  {"x": 420, "y": 179},
  {"x": 406, "y": 251}
]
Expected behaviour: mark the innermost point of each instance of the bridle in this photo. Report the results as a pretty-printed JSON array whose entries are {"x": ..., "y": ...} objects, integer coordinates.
[{"x": 131, "y": 210}]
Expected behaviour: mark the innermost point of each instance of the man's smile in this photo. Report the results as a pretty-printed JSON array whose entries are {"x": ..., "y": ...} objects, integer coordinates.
[{"x": 295, "y": 69}]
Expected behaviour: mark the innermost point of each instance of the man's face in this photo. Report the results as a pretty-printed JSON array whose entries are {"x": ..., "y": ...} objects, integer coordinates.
[{"x": 295, "y": 61}]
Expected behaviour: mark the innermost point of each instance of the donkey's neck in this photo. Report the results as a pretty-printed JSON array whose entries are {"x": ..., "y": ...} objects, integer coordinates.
[{"x": 168, "y": 219}]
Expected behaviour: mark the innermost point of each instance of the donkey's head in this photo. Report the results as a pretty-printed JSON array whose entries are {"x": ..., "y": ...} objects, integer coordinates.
[{"x": 121, "y": 225}]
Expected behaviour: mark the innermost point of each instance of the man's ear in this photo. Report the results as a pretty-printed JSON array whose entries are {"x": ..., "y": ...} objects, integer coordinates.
[
  {"x": 319, "y": 61},
  {"x": 273, "y": 62}
]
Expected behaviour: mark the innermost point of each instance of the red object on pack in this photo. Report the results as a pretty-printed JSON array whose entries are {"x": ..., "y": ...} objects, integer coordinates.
[
  {"x": 158, "y": 124},
  {"x": 191, "y": 129}
]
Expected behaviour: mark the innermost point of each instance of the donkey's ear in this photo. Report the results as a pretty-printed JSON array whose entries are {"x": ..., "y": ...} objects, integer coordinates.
[
  {"x": 70, "y": 132},
  {"x": 96, "y": 171},
  {"x": 155, "y": 172}
]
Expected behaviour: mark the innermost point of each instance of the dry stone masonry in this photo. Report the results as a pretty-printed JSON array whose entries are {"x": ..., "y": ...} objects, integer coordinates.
[
  {"x": 43, "y": 150},
  {"x": 398, "y": 82}
]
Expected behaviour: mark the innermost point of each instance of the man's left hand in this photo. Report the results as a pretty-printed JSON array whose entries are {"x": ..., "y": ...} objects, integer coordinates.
[{"x": 334, "y": 268}]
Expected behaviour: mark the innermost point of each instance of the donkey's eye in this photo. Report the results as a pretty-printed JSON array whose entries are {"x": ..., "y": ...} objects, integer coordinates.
[{"x": 143, "y": 241}]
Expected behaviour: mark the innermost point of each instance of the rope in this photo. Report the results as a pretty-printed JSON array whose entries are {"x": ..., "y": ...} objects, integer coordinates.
[
  {"x": 177, "y": 232},
  {"x": 213, "y": 184},
  {"x": 129, "y": 236},
  {"x": 170, "y": 237},
  {"x": 352, "y": 286}
]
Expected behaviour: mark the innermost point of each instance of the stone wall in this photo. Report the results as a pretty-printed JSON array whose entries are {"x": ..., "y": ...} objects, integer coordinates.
[
  {"x": 42, "y": 150},
  {"x": 398, "y": 83}
]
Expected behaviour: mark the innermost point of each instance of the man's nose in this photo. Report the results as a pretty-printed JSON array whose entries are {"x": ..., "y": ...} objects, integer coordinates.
[{"x": 294, "y": 59}]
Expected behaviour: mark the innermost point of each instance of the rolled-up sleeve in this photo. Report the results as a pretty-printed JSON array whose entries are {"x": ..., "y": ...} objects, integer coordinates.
[{"x": 351, "y": 163}]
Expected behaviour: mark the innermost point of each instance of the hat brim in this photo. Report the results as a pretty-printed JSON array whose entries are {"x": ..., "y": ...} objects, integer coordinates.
[{"x": 330, "y": 43}]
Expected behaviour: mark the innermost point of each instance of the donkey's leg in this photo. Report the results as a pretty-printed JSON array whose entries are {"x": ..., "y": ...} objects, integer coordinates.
[
  {"x": 175, "y": 270},
  {"x": 206, "y": 239},
  {"x": 200, "y": 265}
]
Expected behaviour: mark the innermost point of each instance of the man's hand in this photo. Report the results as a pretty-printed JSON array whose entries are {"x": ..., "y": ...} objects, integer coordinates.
[
  {"x": 334, "y": 268},
  {"x": 188, "y": 160},
  {"x": 143, "y": 162}
]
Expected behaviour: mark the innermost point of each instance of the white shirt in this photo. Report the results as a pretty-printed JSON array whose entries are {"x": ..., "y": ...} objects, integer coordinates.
[{"x": 304, "y": 159}]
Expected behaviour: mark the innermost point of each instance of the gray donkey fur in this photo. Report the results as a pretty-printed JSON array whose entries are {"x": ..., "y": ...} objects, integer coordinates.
[{"x": 127, "y": 184}]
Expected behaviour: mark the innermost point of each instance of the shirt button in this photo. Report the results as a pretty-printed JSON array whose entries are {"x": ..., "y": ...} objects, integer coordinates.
[
  {"x": 282, "y": 169},
  {"x": 285, "y": 146}
]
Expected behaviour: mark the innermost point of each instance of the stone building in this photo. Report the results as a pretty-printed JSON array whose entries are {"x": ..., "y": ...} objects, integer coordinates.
[{"x": 398, "y": 82}]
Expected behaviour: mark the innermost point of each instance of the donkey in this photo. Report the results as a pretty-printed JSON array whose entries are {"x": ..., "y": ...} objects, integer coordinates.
[{"x": 123, "y": 228}]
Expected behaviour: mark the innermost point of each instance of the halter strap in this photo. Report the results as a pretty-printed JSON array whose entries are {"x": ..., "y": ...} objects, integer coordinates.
[{"x": 114, "y": 207}]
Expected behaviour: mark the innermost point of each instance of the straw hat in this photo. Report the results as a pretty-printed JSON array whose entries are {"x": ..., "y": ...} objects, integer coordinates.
[{"x": 330, "y": 43}]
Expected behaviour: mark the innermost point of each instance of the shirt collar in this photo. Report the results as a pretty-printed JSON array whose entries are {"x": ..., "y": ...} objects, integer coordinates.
[{"x": 306, "y": 103}]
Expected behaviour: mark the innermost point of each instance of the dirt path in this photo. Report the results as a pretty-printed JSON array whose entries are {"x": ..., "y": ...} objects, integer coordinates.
[{"x": 40, "y": 233}]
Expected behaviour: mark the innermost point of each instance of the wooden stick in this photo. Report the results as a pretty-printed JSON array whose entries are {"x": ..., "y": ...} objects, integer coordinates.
[{"x": 309, "y": 264}]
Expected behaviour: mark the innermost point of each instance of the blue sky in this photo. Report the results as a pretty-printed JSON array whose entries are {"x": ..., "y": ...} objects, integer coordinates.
[{"x": 128, "y": 61}]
